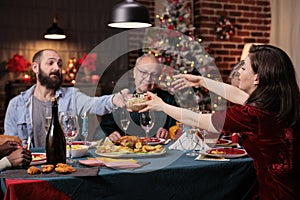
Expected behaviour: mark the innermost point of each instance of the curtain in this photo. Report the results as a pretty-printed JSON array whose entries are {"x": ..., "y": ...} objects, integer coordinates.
[{"x": 285, "y": 29}]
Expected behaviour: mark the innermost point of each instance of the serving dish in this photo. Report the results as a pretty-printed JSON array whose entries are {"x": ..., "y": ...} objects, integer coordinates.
[
  {"x": 77, "y": 150},
  {"x": 222, "y": 142},
  {"x": 136, "y": 98},
  {"x": 89, "y": 143},
  {"x": 225, "y": 152}
]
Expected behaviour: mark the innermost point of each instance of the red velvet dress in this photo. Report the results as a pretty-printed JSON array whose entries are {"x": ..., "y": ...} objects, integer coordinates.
[{"x": 274, "y": 148}]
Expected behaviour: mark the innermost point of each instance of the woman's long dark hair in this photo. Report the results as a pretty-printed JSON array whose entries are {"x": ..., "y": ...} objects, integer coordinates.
[{"x": 277, "y": 90}]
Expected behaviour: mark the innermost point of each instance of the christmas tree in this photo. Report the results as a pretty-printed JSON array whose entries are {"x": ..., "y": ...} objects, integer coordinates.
[
  {"x": 69, "y": 74},
  {"x": 80, "y": 70},
  {"x": 177, "y": 48}
]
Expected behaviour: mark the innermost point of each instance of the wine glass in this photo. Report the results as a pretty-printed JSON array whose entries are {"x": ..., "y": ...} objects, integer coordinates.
[
  {"x": 147, "y": 121},
  {"x": 69, "y": 124},
  {"x": 193, "y": 132},
  {"x": 202, "y": 135},
  {"x": 125, "y": 120},
  {"x": 48, "y": 117}
]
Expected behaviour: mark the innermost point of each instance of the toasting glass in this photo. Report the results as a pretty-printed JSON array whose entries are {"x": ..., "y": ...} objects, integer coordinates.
[
  {"x": 147, "y": 121},
  {"x": 69, "y": 124},
  {"x": 48, "y": 117},
  {"x": 125, "y": 120}
]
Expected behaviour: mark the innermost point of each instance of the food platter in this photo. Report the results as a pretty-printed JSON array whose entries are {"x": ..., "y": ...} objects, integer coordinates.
[
  {"x": 38, "y": 158},
  {"x": 129, "y": 147},
  {"x": 132, "y": 155},
  {"x": 225, "y": 152},
  {"x": 153, "y": 140}
]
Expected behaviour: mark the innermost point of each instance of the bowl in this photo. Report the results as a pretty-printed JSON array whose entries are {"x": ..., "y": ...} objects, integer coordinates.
[
  {"x": 137, "y": 98},
  {"x": 77, "y": 150}
]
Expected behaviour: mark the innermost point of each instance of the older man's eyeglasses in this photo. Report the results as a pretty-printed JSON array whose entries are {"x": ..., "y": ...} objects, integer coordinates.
[{"x": 145, "y": 74}]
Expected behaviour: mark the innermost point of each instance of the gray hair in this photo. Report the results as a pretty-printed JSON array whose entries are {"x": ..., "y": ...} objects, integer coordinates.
[{"x": 145, "y": 56}]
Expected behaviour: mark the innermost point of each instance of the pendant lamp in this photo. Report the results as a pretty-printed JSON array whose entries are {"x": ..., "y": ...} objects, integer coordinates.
[
  {"x": 130, "y": 14},
  {"x": 55, "y": 32}
]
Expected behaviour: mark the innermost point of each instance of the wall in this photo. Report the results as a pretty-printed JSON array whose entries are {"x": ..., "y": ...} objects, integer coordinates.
[{"x": 253, "y": 17}]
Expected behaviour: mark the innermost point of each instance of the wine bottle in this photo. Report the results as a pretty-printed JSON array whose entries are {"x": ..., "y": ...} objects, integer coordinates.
[{"x": 55, "y": 139}]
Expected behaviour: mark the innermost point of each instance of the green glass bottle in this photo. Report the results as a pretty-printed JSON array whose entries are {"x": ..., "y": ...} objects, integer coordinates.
[{"x": 55, "y": 140}]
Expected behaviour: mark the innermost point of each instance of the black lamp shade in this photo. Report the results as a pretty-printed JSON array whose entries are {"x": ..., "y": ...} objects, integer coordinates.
[
  {"x": 130, "y": 14},
  {"x": 55, "y": 32}
]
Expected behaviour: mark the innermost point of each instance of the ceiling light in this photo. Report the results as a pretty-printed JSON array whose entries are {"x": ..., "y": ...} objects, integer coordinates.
[
  {"x": 55, "y": 32},
  {"x": 130, "y": 14}
]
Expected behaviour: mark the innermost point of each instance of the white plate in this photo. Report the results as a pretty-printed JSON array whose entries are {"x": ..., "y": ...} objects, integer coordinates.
[
  {"x": 154, "y": 141},
  {"x": 38, "y": 158},
  {"x": 131, "y": 155},
  {"x": 225, "y": 152}
]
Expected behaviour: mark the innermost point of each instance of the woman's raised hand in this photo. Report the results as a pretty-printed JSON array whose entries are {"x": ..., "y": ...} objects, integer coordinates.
[{"x": 185, "y": 80}]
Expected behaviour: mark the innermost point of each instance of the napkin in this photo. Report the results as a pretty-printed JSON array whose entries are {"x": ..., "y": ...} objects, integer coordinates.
[
  {"x": 210, "y": 158},
  {"x": 187, "y": 142},
  {"x": 112, "y": 163}
]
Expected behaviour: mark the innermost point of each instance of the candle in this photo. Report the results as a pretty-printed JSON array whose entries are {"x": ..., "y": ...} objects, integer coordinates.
[{"x": 26, "y": 78}]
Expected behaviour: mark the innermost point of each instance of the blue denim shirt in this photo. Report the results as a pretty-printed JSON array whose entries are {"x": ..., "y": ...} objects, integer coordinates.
[{"x": 18, "y": 119}]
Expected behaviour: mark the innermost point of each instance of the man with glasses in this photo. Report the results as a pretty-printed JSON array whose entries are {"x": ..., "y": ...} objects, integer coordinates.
[{"x": 145, "y": 74}]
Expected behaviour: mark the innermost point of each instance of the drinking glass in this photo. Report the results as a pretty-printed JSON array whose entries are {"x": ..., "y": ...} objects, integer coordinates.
[
  {"x": 202, "y": 133},
  {"x": 48, "y": 117},
  {"x": 194, "y": 139},
  {"x": 125, "y": 120},
  {"x": 70, "y": 127},
  {"x": 84, "y": 128},
  {"x": 147, "y": 121}
]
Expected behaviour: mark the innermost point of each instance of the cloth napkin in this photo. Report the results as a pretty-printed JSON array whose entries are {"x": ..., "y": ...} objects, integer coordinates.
[
  {"x": 209, "y": 158},
  {"x": 187, "y": 142},
  {"x": 112, "y": 163}
]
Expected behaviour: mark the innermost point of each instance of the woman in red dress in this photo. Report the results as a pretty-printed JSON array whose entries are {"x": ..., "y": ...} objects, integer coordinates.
[{"x": 266, "y": 114}]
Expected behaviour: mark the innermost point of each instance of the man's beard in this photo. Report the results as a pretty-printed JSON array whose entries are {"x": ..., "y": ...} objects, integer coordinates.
[{"x": 48, "y": 82}]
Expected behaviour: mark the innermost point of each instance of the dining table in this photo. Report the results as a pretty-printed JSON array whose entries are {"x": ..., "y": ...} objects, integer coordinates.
[{"x": 172, "y": 175}]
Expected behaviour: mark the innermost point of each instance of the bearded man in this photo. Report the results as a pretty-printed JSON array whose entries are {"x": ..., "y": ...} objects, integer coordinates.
[{"x": 25, "y": 115}]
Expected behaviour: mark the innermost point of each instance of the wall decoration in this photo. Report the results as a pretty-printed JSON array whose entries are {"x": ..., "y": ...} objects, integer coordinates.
[{"x": 225, "y": 28}]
